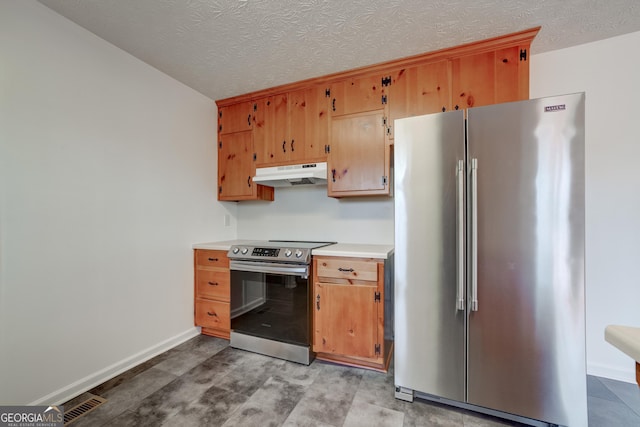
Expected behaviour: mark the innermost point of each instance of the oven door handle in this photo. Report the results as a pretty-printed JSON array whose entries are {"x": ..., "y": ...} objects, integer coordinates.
[{"x": 270, "y": 267}]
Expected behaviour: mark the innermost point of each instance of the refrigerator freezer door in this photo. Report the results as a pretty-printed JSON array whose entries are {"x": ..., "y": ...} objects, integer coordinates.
[
  {"x": 429, "y": 343},
  {"x": 526, "y": 341}
]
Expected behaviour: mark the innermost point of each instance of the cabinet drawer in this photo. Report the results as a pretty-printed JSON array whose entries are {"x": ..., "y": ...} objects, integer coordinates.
[
  {"x": 212, "y": 284},
  {"x": 212, "y": 314},
  {"x": 209, "y": 258},
  {"x": 348, "y": 268}
]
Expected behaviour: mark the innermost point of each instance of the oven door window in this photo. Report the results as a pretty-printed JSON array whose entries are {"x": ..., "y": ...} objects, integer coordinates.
[{"x": 271, "y": 306}]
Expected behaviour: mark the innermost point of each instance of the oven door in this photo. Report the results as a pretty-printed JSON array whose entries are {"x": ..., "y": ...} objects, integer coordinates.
[{"x": 271, "y": 301}]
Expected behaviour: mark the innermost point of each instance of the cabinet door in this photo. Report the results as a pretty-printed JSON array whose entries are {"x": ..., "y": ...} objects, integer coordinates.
[
  {"x": 490, "y": 77},
  {"x": 308, "y": 124},
  {"x": 235, "y": 167},
  {"x": 357, "y": 95},
  {"x": 419, "y": 90},
  {"x": 235, "y": 118},
  {"x": 358, "y": 159},
  {"x": 345, "y": 319},
  {"x": 271, "y": 131}
]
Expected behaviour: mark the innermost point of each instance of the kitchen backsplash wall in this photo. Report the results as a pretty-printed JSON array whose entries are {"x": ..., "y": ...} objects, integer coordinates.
[{"x": 306, "y": 213}]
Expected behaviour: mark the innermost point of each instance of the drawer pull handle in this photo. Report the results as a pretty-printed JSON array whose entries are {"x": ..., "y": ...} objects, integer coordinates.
[
  {"x": 346, "y": 270},
  {"x": 212, "y": 314},
  {"x": 213, "y": 259},
  {"x": 213, "y": 283}
]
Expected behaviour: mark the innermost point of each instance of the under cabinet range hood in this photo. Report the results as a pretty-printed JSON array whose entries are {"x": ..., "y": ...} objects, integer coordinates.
[{"x": 290, "y": 175}]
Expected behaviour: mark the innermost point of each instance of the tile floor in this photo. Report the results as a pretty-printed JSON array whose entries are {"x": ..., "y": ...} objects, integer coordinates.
[{"x": 204, "y": 382}]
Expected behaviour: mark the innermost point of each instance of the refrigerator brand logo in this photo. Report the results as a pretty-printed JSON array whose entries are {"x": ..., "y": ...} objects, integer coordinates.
[{"x": 555, "y": 108}]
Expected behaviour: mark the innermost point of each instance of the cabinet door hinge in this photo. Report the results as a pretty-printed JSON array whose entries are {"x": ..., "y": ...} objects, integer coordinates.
[
  {"x": 255, "y": 157},
  {"x": 389, "y": 130},
  {"x": 220, "y": 145},
  {"x": 383, "y": 99},
  {"x": 255, "y": 107},
  {"x": 384, "y": 121},
  {"x": 523, "y": 54},
  {"x": 386, "y": 81},
  {"x": 220, "y": 114},
  {"x": 327, "y": 149},
  {"x": 376, "y": 349},
  {"x": 376, "y": 297},
  {"x": 220, "y": 189},
  {"x": 327, "y": 93},
  {"x": 384, "y": 182}
]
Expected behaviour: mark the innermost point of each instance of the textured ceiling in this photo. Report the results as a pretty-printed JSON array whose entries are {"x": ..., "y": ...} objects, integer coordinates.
[{"x": 224, "y": 48}]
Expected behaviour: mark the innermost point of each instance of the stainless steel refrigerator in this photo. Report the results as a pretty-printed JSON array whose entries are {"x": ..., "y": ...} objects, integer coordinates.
[{"x": 489, "y": 252}]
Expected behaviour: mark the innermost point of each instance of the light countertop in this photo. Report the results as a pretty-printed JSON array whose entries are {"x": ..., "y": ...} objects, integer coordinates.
[{"x": 354, "y": 250}]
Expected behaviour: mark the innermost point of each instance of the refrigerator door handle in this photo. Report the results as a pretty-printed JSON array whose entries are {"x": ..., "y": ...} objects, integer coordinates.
[
  {"x": 460, "y": 172},
  {"x": 474, "y": 234}
]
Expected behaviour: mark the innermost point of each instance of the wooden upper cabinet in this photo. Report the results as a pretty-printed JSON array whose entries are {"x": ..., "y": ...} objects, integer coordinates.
[
  {"x": 490, "y": 77},
  {"x": 236, "y": 169},
  {"x": 235, "y": 118},
  {"x": 347, "y": 118},
  {"x": 356, "y": 95},
  {"x": 292, "y": 127},
  {"x": 271, "y": 130},
  {"x": 358, "y": 159},
  {"x": 415, "y": 91},
  {"x": 309, "y": 124}
]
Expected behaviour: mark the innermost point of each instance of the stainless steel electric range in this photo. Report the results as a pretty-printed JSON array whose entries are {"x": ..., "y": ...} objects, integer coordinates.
[{"x": 271, "y": 292}]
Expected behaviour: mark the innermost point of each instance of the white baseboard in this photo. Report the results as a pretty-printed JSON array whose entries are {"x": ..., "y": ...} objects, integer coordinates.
[
  {"x": 614, "y": 373},
  {"x": 87, "y": 383}
]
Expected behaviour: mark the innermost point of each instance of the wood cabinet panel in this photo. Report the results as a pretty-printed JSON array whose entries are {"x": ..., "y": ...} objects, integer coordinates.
[
  {"x": 346, "y": 320},
  {"x": 349, "y": 269},
  {"x": 357, "y": 95},
  {"x": 235, "y": 118},
  {"x": 212, "y": 284},
  {"x": 490, "y": 77},
  {"x": 309, "y": 124},
  {"x": 212, "y": 314},
  {"x": 211, "y": 258},
  {"x": 271, "y": 130},
  {"x": 359, "y": 156},
  {"x": 415, "y": 91},
  {"x": 236, "y": 169}
]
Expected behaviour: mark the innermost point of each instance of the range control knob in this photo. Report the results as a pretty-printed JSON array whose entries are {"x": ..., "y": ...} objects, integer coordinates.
[
  {"x": 235, "y": 249},
  {"x": 298, "y": 253},
  {"x": 244, "y": 251},
  {"x": 287, "y": 253}
]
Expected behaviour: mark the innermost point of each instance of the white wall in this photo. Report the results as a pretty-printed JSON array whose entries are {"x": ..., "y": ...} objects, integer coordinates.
[
  {"x": 307, "y": 213},
  {"x": 107, "y": 177},
  {"x": 607, "y": 71}
]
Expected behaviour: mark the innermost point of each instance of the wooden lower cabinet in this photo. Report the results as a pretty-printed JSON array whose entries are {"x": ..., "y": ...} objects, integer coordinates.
[
  {"x": 212, "y": 292},
  {"x": 349, "y": 311}
]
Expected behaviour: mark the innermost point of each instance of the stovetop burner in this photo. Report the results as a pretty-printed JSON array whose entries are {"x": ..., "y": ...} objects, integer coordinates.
[{"x": 289, "y": 251}]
